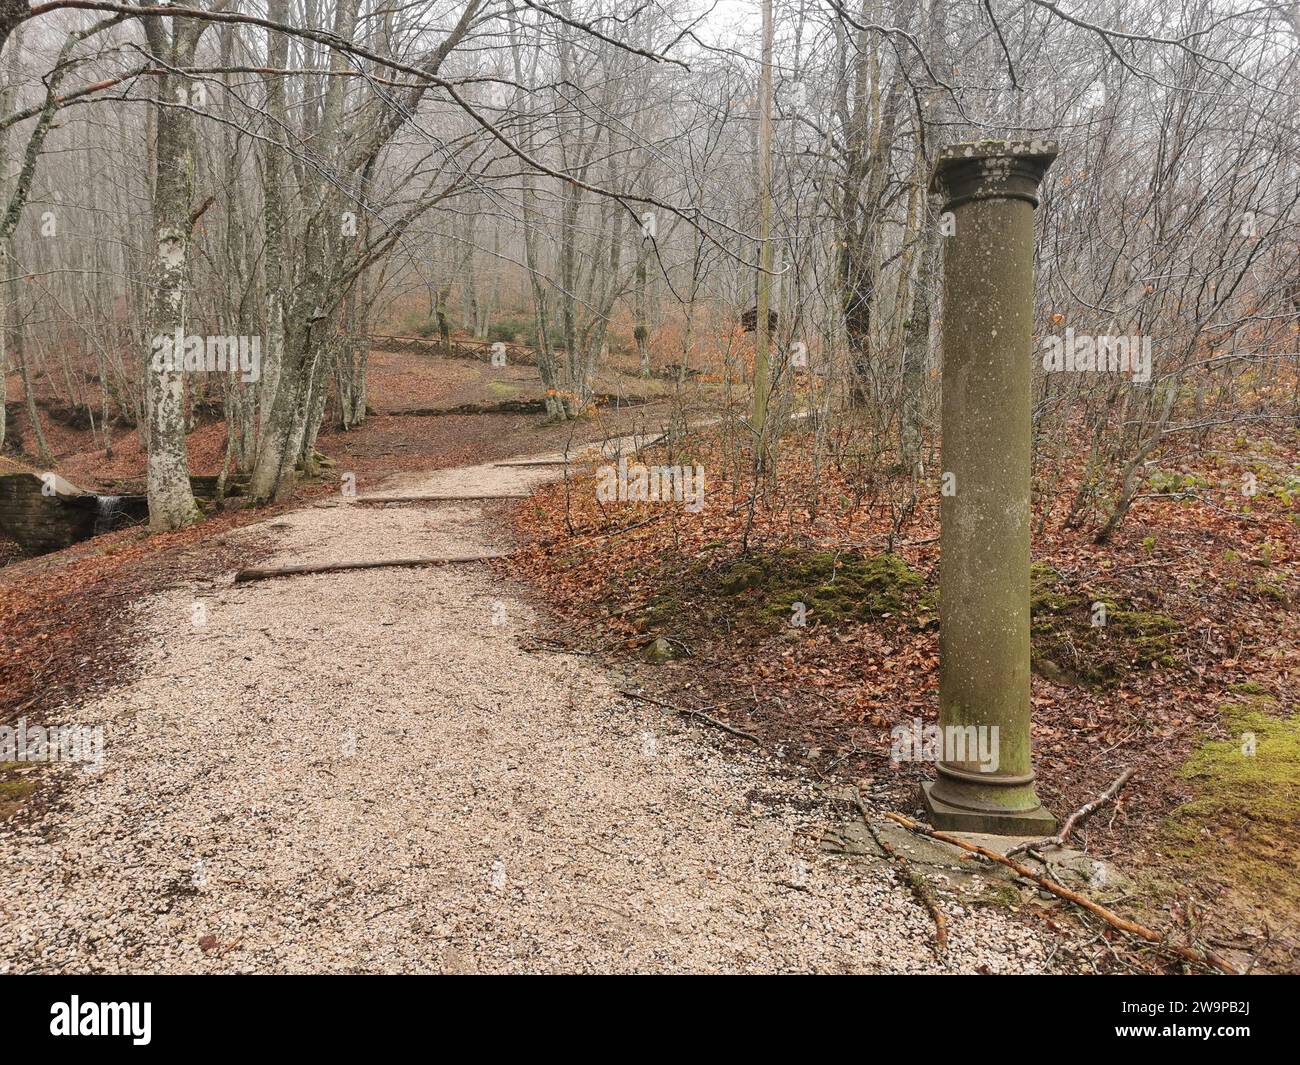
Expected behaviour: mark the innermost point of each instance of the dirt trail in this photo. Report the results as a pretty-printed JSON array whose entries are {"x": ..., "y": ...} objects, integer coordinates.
[{"x": 365, "y": 771}]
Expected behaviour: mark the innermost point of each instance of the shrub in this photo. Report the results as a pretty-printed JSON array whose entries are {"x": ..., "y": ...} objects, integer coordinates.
[{"x": 508, "y": 330}]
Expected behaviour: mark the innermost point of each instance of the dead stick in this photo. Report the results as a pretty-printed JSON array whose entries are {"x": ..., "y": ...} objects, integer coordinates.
[
  {"x": 290, "y": 571},
  {"x": 920, "y": 889},
  {"x": 1078, "y": 817},
  {"x": 1109, "y": 916},
  {"x": 439, "y": 498},
  {"x": 686, "y": 711}
]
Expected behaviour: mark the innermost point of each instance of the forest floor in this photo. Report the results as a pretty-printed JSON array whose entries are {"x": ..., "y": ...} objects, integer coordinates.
[
  {"x": 59, "y": 612},
  {"x": 478, "y": 767},
  {"x": 796, "y": 613},
  {"x": 392, "y": 770}
]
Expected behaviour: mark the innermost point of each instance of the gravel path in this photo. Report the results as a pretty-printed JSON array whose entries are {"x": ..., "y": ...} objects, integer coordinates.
[{"x": 364, "y": 771}]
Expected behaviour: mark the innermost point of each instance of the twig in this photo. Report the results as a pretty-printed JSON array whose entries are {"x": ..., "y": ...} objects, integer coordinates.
[
  {"x": 821, "y": 774},
  {"x": 686, "y": 711},
  {"x": 1078, "y": 817},
  {"x": 440, "y": 498},
  {"x": 919, "y": 888},
  {"x": 1150, "y": 563},
  {"x": 545, "y": 643},
  {"x": 1192, "y": 954},
  {"x": 638, "y": 525}
]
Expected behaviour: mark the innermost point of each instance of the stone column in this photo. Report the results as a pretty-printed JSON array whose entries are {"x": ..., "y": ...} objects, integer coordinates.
[{"x": 990, "y": 188}]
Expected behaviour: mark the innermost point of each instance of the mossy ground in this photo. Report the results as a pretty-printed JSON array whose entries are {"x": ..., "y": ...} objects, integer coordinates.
[
  {"x": 503, "y": 389},
  {"x": 1243, "y": 821},
  {"x": 833, "y": 587},
  {"x": 1067, "y": 645},
  {"x": 15, "y": 787},
  {"x": 764, "y": 591},
  {"x": 1248, "y": 687}
]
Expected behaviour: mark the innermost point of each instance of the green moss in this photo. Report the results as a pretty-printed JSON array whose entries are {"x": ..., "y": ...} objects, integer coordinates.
[
  {"x": 1067, "y": 645},
  {"x": 1244, "y": 820},
  {"x": 835, "y": 588},
  {"x": 1044, "y": 596},
  {"x": 1149, "y": 635},
  {"x": 843, "y": 588},
  {"x": 14, "y": 788},
  {"x": 1000, "y": 893},
  {"x": 1272, "y": 590},
  {"x": 1249, "y": 687}
]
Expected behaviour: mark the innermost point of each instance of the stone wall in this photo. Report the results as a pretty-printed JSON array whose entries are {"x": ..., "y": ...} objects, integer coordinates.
[{"x": 41, "y": 523}]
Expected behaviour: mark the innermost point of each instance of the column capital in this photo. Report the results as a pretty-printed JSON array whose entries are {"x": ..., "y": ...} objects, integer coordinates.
[{"x": 992, "y": 170}]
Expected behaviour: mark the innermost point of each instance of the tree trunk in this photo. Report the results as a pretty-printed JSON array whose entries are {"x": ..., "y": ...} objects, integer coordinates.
[
  {"x": 273, "y": 217},
  {"x": 766, "y": 256},
  {"x": 43, "y": 453},
  {"x": 171, "y": 501},
  {"x": 640, "y": 332}
]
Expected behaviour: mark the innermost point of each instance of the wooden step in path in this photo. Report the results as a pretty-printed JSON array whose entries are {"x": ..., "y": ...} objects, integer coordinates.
[
  {"x": 589, "y": 454},
  {"x": 559, "y": 460},
  {"x": 440, "y": 497},
  {"x": 267, "y": 572}
]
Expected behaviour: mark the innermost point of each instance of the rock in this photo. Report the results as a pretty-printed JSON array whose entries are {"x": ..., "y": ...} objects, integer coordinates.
[
  {"x": 1049, "y": 670},
  {"x": 661, "y": 651}
]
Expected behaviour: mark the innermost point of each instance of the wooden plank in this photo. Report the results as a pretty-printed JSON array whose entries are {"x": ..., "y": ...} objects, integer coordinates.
[
  {"x": 541, "y": 462},
  {"x": 267, "y": 572}
]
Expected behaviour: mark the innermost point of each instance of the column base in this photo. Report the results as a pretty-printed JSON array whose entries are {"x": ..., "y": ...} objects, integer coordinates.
[{"x": 948, "y": 818}]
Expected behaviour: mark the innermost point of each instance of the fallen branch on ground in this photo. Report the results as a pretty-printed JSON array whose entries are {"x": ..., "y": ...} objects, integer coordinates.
[
  {"x": 557, "y": 647},
  {"x": 919, "y": 888},
  {"x": 333, "y": 567},
  {"x": 638, "y": 525},
  {"x": 686, "y": 711},
  {"x": 1192, "y": 954},
  {"x": 1078, "y": 817},
  {"x": 439, "y": 498}
]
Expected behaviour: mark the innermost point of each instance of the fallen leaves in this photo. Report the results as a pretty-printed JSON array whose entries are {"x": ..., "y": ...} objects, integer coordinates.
[{"x": 844, "y": 689}]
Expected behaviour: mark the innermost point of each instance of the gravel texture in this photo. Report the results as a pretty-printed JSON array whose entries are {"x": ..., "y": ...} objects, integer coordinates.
[{"x": 365, "y": 771}]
